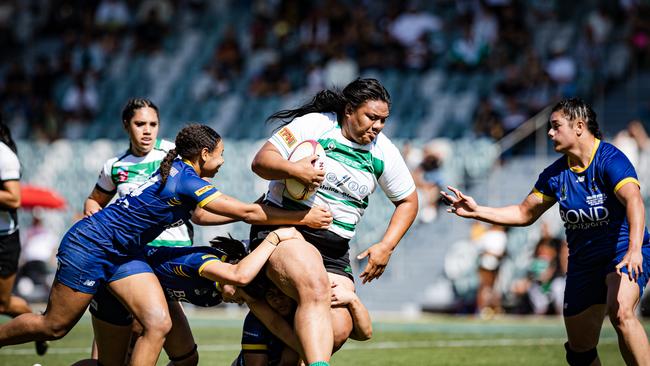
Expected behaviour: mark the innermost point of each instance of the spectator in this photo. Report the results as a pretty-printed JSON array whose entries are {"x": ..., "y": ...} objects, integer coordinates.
[
  {"x": 542, "y": 290},
  {"x": 112, "y": 15},
  {"x": 38, "y": 261},
  {"x": 492, "y": 248}
]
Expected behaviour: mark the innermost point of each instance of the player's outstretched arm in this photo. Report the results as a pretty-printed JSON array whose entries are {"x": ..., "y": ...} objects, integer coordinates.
[
  {"x": 254, "y": 213},
  {"x": 523, "y": 214},
  {"x": 244, "y": 272},
  {"x": 362, "y": 325}
]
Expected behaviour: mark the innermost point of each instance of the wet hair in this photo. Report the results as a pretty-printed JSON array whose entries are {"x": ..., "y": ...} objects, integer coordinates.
[
  {"x": 5, "y": 137},
  {"x": 576, "y": 108},
  {"x": 132, "y": 105},
  {"x": 190, "y": 141},
  {"x": 354, "y": 95}
]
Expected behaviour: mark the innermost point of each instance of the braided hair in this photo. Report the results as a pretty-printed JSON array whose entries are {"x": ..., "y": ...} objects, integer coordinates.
[
  {"x": 576, "y": 108},
  {"x": 354, "y": 94},
  {"x": 190, "y": 141}
]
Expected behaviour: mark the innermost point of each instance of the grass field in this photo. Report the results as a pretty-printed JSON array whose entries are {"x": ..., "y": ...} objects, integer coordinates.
[{"x": 429, "y": 340}]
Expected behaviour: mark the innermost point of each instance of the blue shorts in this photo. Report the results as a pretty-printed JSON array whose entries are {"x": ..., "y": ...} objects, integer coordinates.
[
  {"x": 586, "y": 283},
  {"x": 84, "y": 265}
]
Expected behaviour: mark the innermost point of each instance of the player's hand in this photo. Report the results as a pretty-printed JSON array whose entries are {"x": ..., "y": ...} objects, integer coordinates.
[
  {"x": 461, "y": 205},
  {"x": 341, "y": 296},
  {"x": 307, "y": 173},
  {"x": 91, "y": 211},
  {"x": 287, "y": 233},
  {"x": 633, "y": 262},
  {"x": 231, "y": 293},
  {"x": 378, "y": 257},
  {"x": 318, "y": 218}
]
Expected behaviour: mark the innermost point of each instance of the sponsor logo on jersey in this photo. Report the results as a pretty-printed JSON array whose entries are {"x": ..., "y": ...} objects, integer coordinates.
[
  {"x": 202, "y": 190},
  {"x": 287, "y": 136},
  {"x": 595, "y": 216},
  {"x": 597, "y": 199},
  {"x": 122, "y": 175}
]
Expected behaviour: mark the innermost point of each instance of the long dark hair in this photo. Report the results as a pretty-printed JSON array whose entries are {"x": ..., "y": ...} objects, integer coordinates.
[
  {"x": 190, "y": 141},
  {"x": 5, "y": 137},
  {"x": 132, "y": 105},
  {"x": 576, "y": 108},
  {"x": 354, "y": 95}
]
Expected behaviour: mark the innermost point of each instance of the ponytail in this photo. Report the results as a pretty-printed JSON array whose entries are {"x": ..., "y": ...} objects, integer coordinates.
[
  {"x": 166, "y": 165},
  {"x": 354, "y": 95}
]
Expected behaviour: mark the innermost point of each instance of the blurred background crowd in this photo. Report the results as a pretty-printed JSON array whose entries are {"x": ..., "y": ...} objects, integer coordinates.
[{"x": 465, "y": 76}]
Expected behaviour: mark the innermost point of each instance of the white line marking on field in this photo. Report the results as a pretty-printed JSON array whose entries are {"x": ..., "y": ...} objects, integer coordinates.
[{"x": 459, "y": 343}]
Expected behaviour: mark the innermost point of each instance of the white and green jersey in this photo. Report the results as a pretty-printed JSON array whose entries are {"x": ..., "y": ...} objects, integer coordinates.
[
  {"x": 9, "y": 170},
  {"x": 352, "y": 171},
  {"x": 122, "y": 174}
]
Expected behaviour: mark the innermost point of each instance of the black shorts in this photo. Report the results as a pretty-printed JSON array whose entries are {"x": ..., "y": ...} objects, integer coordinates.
[
  {"x": 9, "y": 253},
  {"x": 105, "y": 306},
  {"x": 334, "y": 249}
]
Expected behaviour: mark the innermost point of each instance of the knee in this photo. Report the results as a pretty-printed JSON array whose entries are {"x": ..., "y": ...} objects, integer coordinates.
[
  {"x": 56, "y": 330},
  {"x": 585, "y": 358},
  {"x": 314, "y": 289},
  {"x": 156, "y": 322},
  {"x": 621, "y": 315}
]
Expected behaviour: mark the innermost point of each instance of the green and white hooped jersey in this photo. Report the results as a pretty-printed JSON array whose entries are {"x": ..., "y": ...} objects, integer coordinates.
[
  {"x": 353, "y": 171},
  {"x": 9, "y": 170},
  {"x": 124, "y": 173}
]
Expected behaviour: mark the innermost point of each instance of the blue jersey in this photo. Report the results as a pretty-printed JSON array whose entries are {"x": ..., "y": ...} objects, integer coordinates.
[
  {"x": 139, "y": 217},
  {"x": 595, "y": 221},
  {"x": 256, "y": 338},
  {"x": 179, "y": 272}
]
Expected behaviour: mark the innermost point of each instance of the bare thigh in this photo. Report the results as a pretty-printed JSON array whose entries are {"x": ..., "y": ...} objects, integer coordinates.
[
  {"x": 112, "y": 342},
  {"x": 583, "y": 330},
  {"x": 295, "y": 264}
]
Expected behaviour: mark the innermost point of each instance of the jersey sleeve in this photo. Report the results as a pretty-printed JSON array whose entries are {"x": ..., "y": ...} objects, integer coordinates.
[
  {"x": 309, "y": 126},
  {"x": 618, "y": 171},
  {"x": 105, "y": 181},
  {"x": 197, "y": 190},
  {"x": 255, "y": 336},
  {"x": 9, "y": 167},
  {"x": 543, "y": 187},
  {"x": 198, "y": 261},
  {"x": 395, "y": 178}
]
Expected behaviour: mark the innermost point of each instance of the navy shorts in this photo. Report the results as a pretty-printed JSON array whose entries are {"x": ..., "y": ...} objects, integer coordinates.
[
  {"x": 586, "y": 283},
  {"x": 105, "y": 306},
  {"x": 9, "y": 253},
  {"x": 83, "y": 265}
]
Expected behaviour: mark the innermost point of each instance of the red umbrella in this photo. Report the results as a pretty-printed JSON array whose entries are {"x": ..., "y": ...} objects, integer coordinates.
[{"x": 33, "y": 196}]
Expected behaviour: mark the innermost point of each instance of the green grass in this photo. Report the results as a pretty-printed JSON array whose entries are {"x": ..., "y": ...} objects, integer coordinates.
[{"x": 430, "y": 340}]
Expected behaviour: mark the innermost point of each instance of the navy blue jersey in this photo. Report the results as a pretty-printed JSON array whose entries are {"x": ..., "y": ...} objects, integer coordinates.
[
  {"x": 139, "y": 217},
  {"x": 179, "y": 272},
  {"x": 595, "y": 221},
  {"x": 256, "y": 338}
]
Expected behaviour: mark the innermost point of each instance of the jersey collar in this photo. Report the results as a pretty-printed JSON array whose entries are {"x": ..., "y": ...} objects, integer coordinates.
[{"x": 593, "y": 153}]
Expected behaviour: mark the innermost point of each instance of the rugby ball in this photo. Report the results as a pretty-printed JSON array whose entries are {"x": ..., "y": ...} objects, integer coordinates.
[{"x": 296, "y": 188}]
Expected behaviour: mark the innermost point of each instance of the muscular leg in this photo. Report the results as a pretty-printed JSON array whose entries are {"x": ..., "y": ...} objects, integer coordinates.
[
  {"x": 64, "y": 309},
  {"x": 142, "y": 295},
  {"x": 583, "y": 329},
  {"x": 341, "y": 318},
  {"x": 180, "y": 344},
  {"x": 297, "y": 269},
  {"x": 622, "y": 299},
  {"x": 112, "y": 342},
  {"x": 9, "y": 304}
]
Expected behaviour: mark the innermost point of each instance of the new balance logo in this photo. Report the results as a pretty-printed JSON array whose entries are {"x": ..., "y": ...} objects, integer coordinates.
[{"x": 89, "y": 283}]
